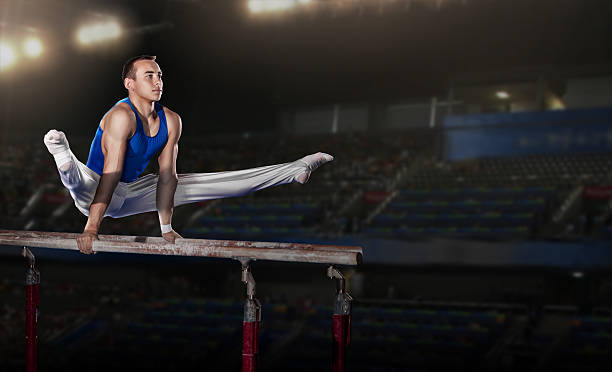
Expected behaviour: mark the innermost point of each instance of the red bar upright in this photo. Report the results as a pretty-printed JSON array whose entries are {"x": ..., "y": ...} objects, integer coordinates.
[
  {"x": 250, "y": 323},
  {"x": 342, "y": 337},
  {"x": 341, "y": 328},
  {"x": 250, "y": 346},
  {"x": 32, "y": 302}
]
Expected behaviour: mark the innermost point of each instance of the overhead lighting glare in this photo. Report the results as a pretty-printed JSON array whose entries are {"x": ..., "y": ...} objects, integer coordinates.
[
  {"x": 256, "y": 6},
  {"x": 7, "y": 56},
  {"x": 32, "y": 47},
  {"x": 502, "y": 94},
  {"x": 98, "y": 32},
  {"x": 260, "y": 6}
]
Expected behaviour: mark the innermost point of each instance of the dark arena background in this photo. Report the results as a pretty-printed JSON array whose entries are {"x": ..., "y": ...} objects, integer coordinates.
[{"x": 473, "y": 164}]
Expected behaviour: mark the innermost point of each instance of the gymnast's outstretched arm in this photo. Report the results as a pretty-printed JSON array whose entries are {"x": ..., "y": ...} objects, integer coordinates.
[
  {"x": 168, "y": 179},
  {"x": 114, "y": 145}
]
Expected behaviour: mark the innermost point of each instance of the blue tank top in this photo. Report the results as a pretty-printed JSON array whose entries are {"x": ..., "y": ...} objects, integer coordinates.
[{"x": 140, "y": 149}]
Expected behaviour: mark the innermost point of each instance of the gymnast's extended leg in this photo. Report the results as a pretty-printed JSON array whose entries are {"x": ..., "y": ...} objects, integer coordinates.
[
  {"x": 80, "y": 181},
  {"x": 195, "y": 187}
]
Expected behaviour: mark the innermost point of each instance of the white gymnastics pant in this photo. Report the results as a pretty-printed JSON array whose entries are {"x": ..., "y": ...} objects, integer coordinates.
[{"x": 139, "y": 196}]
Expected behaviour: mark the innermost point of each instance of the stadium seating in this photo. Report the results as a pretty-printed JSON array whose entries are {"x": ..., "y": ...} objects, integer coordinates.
[{"x": 508, "y": 197}]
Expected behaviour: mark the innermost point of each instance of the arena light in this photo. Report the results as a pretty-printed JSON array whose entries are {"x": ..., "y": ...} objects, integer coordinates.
[
  {"x": 502, "y": 94},
  {"x": 7, "y": 55},
  {"x": 32, "y": 47},
  {"x": 256, "y": 6},
  {"x": 98, "y": 32},
  {"x": 260, "y": 6}
]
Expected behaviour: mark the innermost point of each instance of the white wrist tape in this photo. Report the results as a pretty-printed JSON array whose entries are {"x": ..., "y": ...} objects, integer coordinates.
[{"x": 166, "y": 228}]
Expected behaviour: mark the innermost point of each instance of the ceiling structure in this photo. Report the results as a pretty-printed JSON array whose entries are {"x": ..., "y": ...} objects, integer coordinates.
[{"x": 237, "y": 69}]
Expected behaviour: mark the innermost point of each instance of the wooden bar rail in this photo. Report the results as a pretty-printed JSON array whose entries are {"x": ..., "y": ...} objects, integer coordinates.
[{"x": 289, "y": 252}]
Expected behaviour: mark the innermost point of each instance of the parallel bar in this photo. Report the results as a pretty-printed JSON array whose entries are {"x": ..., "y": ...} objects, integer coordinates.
[{"x": 290, "y": 252}]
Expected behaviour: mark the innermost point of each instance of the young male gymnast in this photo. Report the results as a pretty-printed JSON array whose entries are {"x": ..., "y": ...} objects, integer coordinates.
[{"x": 134, "y": 130}]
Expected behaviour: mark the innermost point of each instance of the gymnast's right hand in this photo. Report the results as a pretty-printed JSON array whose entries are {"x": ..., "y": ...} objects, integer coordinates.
[{"x": 85, "y": 241}]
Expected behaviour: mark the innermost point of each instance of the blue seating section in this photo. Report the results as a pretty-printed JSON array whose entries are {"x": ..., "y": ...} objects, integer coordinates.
[
  {"x": 261, "y": 220},
  {"x": 590, "y": 344},
  {"x": 199, "y": 332},
  {"x": 191, "y": 331},
  {"x": 388, "y": 338},
  {"x": 305, "y": 209},
  {"x": 183, "y": 330},
  {"x": 473, "y": 210},
  {"x": 257, "y": 219}
]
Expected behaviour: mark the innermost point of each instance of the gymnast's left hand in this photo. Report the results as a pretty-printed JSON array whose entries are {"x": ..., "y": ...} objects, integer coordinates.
[
  {"x": 85, "y": 241},
  {"x": 171, "y": 236}
]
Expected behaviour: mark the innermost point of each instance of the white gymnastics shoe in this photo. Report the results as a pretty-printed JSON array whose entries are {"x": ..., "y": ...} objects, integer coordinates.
[
  {"x": 312, "y": 162},
  {"x": 58, "y": 146}
]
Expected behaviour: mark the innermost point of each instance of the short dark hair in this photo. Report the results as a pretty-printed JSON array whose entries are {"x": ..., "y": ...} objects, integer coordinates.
[{"x": 128, "y": 66}]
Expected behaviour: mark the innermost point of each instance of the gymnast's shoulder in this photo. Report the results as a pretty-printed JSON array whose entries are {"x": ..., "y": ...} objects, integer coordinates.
[
  {"x": 119, "y": 116},
  {"x": 173, "y": 120}
]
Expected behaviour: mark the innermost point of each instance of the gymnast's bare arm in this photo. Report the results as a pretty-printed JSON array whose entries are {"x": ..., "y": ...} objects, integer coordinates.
[
  {"x": 168, "y": 179},
  {"x": 118, "y": 125}
]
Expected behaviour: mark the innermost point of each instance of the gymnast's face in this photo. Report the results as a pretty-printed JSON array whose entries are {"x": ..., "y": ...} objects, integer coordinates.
[{"x": 148, "y": 82}]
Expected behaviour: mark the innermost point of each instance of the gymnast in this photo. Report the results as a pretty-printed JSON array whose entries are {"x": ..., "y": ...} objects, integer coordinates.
[{"x": 134, "y": 130}]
